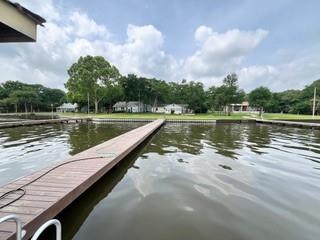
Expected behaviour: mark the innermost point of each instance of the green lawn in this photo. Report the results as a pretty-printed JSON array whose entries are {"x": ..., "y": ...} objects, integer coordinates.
[
  {"x": 213, "y": 116},
  {"x": 280, "y": 116}
]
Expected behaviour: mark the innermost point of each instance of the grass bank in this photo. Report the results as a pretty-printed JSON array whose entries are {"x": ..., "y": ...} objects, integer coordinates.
[
  {"x": 279, "y": 116},
  {"x": 207, "y": 116}
]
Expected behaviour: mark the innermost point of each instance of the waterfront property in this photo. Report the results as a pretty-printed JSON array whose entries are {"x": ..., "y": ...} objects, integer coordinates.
[
  {"x": 68, "y": 107},
  {"x": 131, "y": 107},
  {"x": 176, "y": 108},
  {"x": 120, "y": 107},
  {"x": 243, "y": 107},
  {"x": 137, "y": 107},
  {"x": 158, "y": 109}
]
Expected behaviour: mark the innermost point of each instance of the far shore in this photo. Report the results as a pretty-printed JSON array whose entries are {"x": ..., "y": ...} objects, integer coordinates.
[
  {"x": 203, "y": 116},
  {"x": 206, "y": 116}
]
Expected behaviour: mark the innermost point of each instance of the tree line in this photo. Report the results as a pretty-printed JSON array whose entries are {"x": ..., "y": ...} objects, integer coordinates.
[
  {"x": 94, "y": 79},
  {"x": 16, "y": 96}
]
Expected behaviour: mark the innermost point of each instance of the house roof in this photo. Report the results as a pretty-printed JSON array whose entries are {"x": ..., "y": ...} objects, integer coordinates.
[
  {"x": 134, "y": 104},
  {"x": 179, "y": 105},
  {"x": 245, "y": 103},
  {"x": 17, "y": 23},
  {"x": 33, "y": 16},
  {"x": 120, "y": 104},
  {"x": 68, "y": 105}
]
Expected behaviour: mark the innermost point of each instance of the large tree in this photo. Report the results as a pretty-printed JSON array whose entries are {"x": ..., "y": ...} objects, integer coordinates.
[
  {"x": 24, "y": 97},
  {"x": 260, "y": 98},
  {"x": 89, "y": 77},
  {"x": 229, "y": 93}
]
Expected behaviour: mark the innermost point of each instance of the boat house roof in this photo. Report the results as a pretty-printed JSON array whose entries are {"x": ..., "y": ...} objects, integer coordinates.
[{"x": 17, "y": 23}]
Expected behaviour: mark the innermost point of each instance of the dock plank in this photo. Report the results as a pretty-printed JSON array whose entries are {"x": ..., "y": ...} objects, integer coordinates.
[
  {"x": 22, "y": 123},
  {"x": 60, "y": 187}
]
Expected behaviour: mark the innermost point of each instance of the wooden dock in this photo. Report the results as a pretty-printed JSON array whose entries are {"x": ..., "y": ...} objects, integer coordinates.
[
  {"x": 290, "y": 123},
  {"x": 22, "y": 123},
  {"x": 60, "y": 185}
]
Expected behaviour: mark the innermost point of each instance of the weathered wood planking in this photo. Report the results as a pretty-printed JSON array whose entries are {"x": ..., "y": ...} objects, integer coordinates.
[
  {"x": 49, "y": 195},
  {"x": 41, "y": 122},
  {"x": 290, "y": 123}
]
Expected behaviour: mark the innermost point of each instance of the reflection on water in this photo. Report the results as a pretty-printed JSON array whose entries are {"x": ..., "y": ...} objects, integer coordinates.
[
  {"x": 228, "y": 182},
  {"x": 209, "y": 182},
  {"x": 26, "y": 149}
]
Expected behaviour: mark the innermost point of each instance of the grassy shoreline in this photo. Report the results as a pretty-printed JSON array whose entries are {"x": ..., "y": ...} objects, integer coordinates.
[{"x": 207, "y": 116}]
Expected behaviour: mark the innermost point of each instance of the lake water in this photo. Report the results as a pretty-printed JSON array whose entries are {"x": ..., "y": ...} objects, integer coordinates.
[
  {"x": 24, "y": 150},
  {"x": 228, "y": 182}
]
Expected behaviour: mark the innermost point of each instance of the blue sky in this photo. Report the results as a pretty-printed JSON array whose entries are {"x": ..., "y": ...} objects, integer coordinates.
[{"x": 270, "y": 43}]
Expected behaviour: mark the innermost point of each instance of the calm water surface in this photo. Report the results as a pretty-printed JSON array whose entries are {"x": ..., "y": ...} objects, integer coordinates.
[
  {"x": 228, "y": 182},
  {"x": 27, "y": 149}
]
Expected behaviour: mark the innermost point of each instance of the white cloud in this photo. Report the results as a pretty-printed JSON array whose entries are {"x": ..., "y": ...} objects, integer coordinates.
[
  {"x": 67, "y": 37},
  {"x": 203, "y": 33},
  {"x": 71, "y": 34},
  {"x": 83, "y": 26},
  {"x": 253, "y": 76},
  {"x": 44, "y": 8},
  {"x": 295, "y": 74},
  {"x": 142, "y": 53},
  {"x": 220, "y": 53}
]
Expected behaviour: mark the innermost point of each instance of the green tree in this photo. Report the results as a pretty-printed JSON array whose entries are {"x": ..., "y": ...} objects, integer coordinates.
[
  {"x": 114, "y": 93},
  {"x": 229, "y": 92},
  {"x": 24, "y": 97},
  {"x": 36, "y": 96},
  {"x": 89, "y": 77},
  {"x": 194, "y": 96},
  {"x": 260, "y": 98}
]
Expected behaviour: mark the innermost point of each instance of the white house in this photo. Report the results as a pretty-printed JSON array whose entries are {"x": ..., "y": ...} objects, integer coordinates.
[
  {"x": 131, "y": 107},
  {"x": 176, "y": 108},
  {"x": 120, "y": 107},
  {"x": 158, "y": 109},
  {"x": 67, "y": 107},
  {"x": 135, "y": 107}
]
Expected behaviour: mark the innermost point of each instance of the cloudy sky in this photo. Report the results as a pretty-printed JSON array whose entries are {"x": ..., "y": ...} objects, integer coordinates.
[{"x": 272, "y": 43}]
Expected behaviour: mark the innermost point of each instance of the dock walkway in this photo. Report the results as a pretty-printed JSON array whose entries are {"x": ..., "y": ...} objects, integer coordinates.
[
  {"x": 22, "y": 123},
  {"x": 49, "y": 191},
  {"x": 290, "y": 123}
]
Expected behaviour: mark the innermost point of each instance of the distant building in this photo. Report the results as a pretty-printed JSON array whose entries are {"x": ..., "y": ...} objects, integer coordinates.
[
  {"x": 131, "y": 107},
  {"x": 158, "y": 109},
  {"x": 68, "y": 107},
  {"x": 120, "y": 107},
  {"x": 135, "y": 107},
  {"x": 176, "y": 108},
  {"x": 242, "y": 107}
]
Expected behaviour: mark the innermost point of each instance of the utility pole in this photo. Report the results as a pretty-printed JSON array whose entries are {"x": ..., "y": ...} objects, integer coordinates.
[
  {"x": 88, "y": 104},
  {"x": 139, "y": 102},
  {"x": 51, "y": 111},
  {"x": 314, "y": 101}
]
